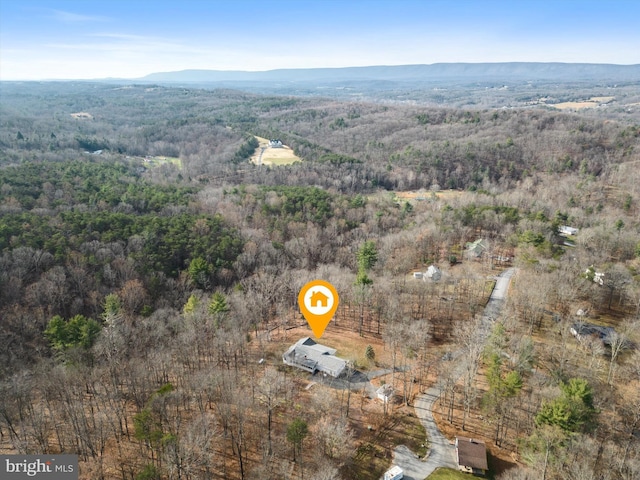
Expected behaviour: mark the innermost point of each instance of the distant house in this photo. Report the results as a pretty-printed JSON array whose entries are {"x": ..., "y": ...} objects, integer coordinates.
[
  {"x": 471, "y": 455},
  {"x": 275, "y": 143},
  {"x": 582, "y": 331},
  {"x": 565, "y": 231},
  {"x": 476, "y": 249},
  {"x": 598, "y": 278},
  {"x": 433, "y": 273},
  {"x": 319, "y": 299},
  {"x": 313, "y": 357},
  {"x": 385, "y": 393},
  {"x": 592, "y": 274}
]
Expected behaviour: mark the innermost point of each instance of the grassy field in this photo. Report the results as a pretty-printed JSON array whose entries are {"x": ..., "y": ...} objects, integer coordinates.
[
  {"x": 159, "y": 160},
  {"x": 411, "y": 195},
  {"x": 269, "y": 160},
  {"x": 266, "y": 155},
  {"x": 448, "y": 474},
  {"x": 591, "y": 103}
]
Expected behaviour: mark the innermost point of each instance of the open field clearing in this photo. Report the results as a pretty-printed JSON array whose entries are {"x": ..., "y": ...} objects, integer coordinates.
[
  {"x": 159, "y": 160},
  {"x": 593, "y": 102},
  {"x": 266, "y": 155},
  {"x": 426, "y": 195}
]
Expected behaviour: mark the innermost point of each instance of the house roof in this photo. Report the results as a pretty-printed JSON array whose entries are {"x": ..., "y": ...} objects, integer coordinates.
[
  {"x": 315, "y": 356},
  {"x": 321, "y": 349},
  {"x": 471, "y": 453},
  {"x": 567, "y": 230},
  {"x": 385, "y": 390},
  {"x": 585, "y": 329},
  {"x": 477, "y": 244},
  {"x": 434, "y": 272}
]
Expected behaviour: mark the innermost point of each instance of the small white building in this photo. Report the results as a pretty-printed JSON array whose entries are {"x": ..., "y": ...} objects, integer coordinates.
[
  {"x": 275, "y": 143},
  {"x": 385, "y": 393},
  {"x": 565, "y": 230}
]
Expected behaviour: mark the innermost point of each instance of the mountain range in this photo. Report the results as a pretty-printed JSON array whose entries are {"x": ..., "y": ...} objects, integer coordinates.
[{"x": 511, "y": 71}]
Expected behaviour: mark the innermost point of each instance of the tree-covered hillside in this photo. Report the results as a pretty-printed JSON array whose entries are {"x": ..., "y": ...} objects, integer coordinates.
[{"x": 149, "y": 276}]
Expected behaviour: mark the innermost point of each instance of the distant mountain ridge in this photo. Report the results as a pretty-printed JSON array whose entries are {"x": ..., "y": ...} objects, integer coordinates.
[{"x": 411, "y": 73}]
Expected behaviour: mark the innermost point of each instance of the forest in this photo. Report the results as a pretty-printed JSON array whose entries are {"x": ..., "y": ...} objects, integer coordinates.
[{"x": 149, "y": 276}]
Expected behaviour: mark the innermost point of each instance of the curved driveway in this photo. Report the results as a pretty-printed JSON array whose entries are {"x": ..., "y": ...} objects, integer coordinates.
[{"x": 441, "y": 452}]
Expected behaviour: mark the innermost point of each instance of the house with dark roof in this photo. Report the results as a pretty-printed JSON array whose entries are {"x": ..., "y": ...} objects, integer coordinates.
[
  {"x": 582, "y": 331},
  {"x": 313, "y": 357},
  {"x": 471, "y": 455}
]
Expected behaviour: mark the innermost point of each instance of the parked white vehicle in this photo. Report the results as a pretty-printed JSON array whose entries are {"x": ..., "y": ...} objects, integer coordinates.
[{"x": 394, "y": 473}]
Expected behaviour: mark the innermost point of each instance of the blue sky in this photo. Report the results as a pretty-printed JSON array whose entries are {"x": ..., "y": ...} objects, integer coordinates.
[{"x": 70, "y": 39}]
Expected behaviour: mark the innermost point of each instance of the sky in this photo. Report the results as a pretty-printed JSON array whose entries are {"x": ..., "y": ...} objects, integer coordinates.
[{"x": 87, "y": 39}]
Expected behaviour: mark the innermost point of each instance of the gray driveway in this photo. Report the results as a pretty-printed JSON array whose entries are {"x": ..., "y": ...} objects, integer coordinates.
[{"x": 441, "y": 452}]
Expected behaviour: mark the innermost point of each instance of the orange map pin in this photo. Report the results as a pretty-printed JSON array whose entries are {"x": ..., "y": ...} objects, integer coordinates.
[{"x": 318, "y": 301}]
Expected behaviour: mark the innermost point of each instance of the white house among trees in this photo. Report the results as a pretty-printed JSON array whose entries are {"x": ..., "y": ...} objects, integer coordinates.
[{"x": 434, "y": 273}]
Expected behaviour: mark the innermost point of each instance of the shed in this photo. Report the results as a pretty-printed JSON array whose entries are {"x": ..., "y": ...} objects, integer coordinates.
[
  {"x": 471, "y": 455},
  {"x": 385, "y": 393},
  {"x": 312, "y": 357}
]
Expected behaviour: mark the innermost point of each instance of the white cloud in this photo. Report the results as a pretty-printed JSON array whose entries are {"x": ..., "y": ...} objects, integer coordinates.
[{"x": 70, "y": 17}]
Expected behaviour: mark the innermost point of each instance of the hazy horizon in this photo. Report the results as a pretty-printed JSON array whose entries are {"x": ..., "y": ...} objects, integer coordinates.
[{"x": 56, "y": 40}]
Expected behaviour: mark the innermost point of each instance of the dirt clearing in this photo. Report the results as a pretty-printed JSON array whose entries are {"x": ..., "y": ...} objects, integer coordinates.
[{"x": 419, "y": 195}]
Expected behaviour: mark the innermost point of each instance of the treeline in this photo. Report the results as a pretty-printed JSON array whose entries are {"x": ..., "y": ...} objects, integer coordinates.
[{"x": 89, "y": 183}]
